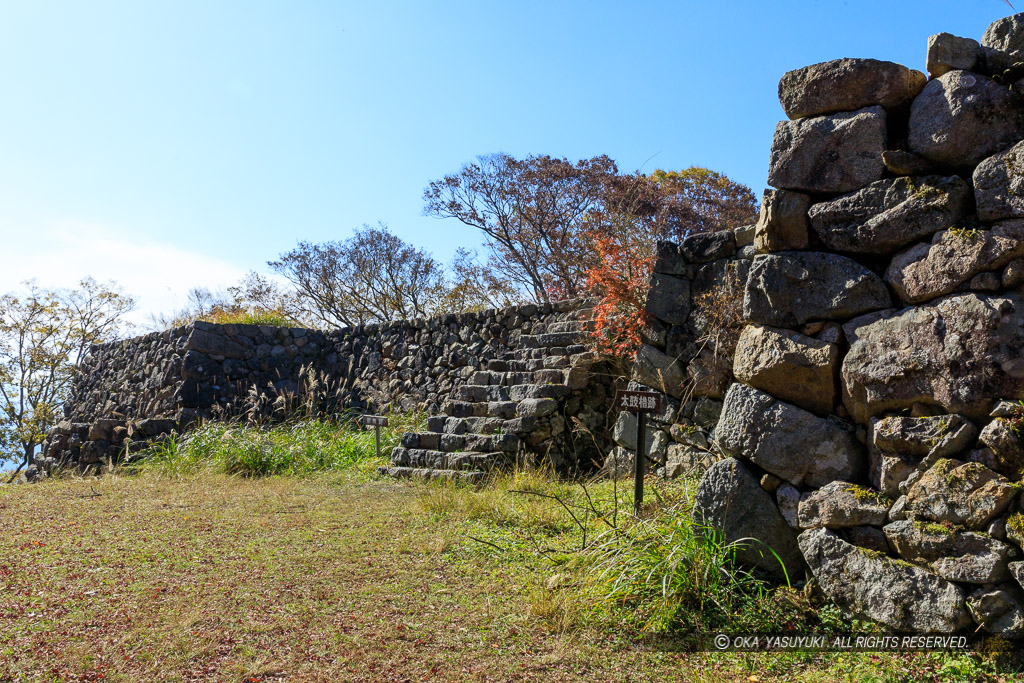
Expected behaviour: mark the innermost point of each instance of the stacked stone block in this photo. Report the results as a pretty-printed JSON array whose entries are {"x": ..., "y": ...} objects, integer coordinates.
[
  {"x": 873, "y": 432},
  {"x": 545, "y": 403},
  {"x": 132, "y": 393}
]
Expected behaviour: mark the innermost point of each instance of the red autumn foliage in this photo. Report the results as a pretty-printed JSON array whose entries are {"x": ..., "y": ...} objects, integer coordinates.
[
  {"x": 637, "y": 211},
  {"x": 622, "y": 277}
]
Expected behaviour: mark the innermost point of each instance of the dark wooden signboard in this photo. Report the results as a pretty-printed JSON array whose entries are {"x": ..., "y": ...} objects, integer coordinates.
[{"x": 640, "y": 403}]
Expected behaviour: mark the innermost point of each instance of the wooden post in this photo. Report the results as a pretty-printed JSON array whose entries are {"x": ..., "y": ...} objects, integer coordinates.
[
  {"x": 375, "y": 421},
  {"x": 638, "y": 463},
  {"x": 639, "y": 403}
]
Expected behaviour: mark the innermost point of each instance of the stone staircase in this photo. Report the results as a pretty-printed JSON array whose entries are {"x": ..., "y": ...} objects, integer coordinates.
[{"x": 514, "y": 410}]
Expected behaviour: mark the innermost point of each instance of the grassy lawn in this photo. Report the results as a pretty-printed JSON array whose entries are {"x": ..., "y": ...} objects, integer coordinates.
[{"x": 200, "y": 575}]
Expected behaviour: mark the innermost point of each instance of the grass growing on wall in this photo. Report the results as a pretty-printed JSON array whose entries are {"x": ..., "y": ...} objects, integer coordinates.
[{"x": 295, "y": 448}]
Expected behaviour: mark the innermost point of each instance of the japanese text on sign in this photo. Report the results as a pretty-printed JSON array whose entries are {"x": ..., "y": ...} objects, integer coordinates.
[{"x": 639, "y": 401}]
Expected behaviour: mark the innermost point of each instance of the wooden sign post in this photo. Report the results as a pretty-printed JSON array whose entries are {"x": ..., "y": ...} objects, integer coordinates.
[
  {"x": 639, "y": 403},
  {"x": 375, "y": 421}
]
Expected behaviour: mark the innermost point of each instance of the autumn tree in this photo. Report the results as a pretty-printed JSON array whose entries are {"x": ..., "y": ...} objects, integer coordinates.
[
  {"x": 475, "y": 286},
  {"x": 371, "y": 277},
  {"x": 255, "y": 299},
  {"x": 638, "y": 211},
  {"x": 43, "y": 336},
  {"x": 532, "y": 212},
  {"x": 701, "y": 200}
]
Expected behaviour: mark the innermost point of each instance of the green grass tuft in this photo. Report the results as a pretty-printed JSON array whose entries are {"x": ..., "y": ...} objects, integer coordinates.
[{"x": 291, "y": 449}]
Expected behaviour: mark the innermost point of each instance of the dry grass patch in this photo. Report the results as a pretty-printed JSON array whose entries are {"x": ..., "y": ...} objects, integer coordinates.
[{"x": 208, "y": 577}]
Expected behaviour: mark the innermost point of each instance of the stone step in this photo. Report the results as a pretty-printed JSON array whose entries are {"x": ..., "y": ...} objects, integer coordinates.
[
  {"x": 465, "y": 476},
  {"x": 497, "y": 441},
  {"x": 524, "y": 391},
  {"x": 479, "y": 393},
  {"x": 505, "y": 378},
  {"x": 426, "y": 458},
  {"x": 506, "y": 410},
  {"x": 546, "y": 376},
  {"x": 570, "y": 326},
  {"x": 551, "y": 339}
]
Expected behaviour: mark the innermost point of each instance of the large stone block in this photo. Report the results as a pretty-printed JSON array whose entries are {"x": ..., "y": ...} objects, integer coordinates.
[
  {"x": 669, "y": 299},
  {"x": 1006, "y": 35},
  {"x": 841, "y": 505},
  {"x": 868, "y": 584},
  {"x": 787, "y": 441},
  {"x": 838, "y": 153},
  {"x": 961, "y": 118},
  {"x": 928, "y": 271},
  {"x": 847, "y": 85},
  {"x": 799, "y": 369},
  {"x": 708, "y": 246},
  {"x": 999, "y": 185},
  {"x": 958, "y": 353},
  {"x": 951, "y": 553},
  {"x": 782, "y": 224},
  {"x": 890, "y": 214},
  {"x": 659, "y": 371},
  {"x": 965, "y": 494},
  {"x": 947, "y": 52},
  {"x": 731, "y": 503},
  {"x": 792, "y": 288},
  {"x": 215, "y": 344}
]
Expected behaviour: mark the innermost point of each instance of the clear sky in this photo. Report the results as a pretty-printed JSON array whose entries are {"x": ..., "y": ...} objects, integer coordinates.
[{"x": 175, "y": 144}]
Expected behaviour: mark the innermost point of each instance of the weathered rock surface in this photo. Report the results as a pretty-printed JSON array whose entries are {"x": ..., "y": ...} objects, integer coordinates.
[
  {"x": 799, "y": 369},
  {"x": 846, "y": 85},
  {"x": 961, "y": 118},
  {"x": 708, "y": 246},
  {"x": 958, "y": 353},
  {"x": 669, "y": 299},
  {"x": 782, "y": 223},
  {"x": 927, "y": 271},
  {"x": 1017, "y": 571},
  {"x": 842, "y": 504},
  {"x": 659, "y": 371},
  {"x": 942, "y": 436},
  {"x": 999, "y": 185},
  {"x": 886, "y": 471},
  {"x": 789, "y": 289},
  {"x": 866, "y": 584},
  {"x": 1003, "y": 438},
  {"x": 965, "y": 494},
  {"x": 1006, "y": 35},
  {"x": 965, "y": 556},
  {"x": 730, "y": 501},
  {"x": 785, "y": 440},
  {"x": 890, "y": 214},
  {"x": 947, "y": 52},
  {"x": 899, "y": 444},
  {"x": 788, "y": 498},
  {"x": 838, "y": 153},
  {"x": 900, "y": 162},
  {"x": 999, "y": 610}
]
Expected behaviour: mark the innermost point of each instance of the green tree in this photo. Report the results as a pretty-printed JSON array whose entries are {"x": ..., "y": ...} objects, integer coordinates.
[{"x": 44, "y": 335}]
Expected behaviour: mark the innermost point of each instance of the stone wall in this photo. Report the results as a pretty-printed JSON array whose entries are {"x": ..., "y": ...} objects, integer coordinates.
[
  {"x": 132, "y": 392},
  {"x": 695, "y": 308},
  {"x": 872, "y": 431}
]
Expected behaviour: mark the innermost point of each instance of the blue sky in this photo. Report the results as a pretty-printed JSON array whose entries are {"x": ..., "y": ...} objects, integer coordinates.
[{"x": 175, "y": 144}]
